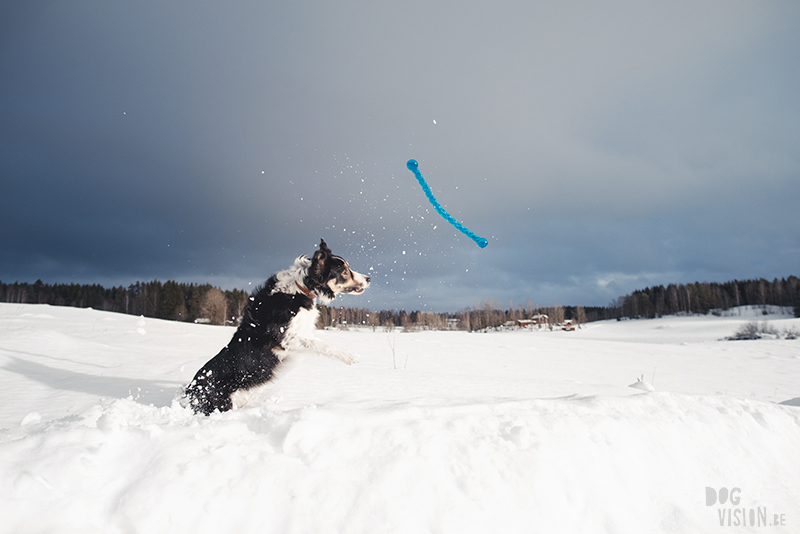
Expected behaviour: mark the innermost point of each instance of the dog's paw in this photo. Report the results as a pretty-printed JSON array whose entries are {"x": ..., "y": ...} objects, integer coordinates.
[{"x": 350, "y": 358}]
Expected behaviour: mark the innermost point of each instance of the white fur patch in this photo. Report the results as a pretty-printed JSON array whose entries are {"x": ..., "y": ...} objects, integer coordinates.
[
  {"x": 289, "y": 278},
  {"x": 301, "y": 328}
]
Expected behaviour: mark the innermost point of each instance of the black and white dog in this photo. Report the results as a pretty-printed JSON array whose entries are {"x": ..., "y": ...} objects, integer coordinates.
[{"x": 279, "y": 319}]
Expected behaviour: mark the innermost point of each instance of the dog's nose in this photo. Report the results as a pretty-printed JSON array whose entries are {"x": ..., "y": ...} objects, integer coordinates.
[{"x": 368, "y": 279}]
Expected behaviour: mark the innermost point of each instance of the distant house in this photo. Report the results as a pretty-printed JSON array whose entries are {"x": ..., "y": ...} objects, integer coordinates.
[
  {"x": 536, "y": 320},
  {"x": 568, "y": 326}
]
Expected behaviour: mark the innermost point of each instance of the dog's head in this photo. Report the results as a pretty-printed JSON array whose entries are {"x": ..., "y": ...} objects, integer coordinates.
[{"x": 330, "y": 275}]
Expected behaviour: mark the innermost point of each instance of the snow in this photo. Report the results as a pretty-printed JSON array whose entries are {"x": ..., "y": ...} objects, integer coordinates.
[{"x": 495, "y": 432}]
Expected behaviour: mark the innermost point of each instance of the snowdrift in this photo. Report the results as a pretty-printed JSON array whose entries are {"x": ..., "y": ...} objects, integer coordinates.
[{"x": 506, "y": 432}]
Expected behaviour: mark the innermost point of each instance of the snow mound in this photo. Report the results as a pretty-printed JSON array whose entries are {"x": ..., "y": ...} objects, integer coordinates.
[{"x": 619, "y": 464}]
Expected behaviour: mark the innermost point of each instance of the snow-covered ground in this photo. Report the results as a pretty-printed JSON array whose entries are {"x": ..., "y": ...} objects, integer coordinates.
[{"x": 454, "y": 432}]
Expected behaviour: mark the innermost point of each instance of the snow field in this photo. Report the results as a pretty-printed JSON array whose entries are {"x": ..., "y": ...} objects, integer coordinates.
[{"x": 507, "y": 432}]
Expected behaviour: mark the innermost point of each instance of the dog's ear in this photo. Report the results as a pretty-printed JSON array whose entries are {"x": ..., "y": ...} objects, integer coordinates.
[{"x": 320, "y": 257}]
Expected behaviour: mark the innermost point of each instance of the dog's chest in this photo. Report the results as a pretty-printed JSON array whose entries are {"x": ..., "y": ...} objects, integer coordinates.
[{"x": 302, "y": 326}]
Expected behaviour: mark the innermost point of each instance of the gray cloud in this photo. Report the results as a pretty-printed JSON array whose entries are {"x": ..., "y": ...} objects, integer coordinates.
[{"x": 600, "y": 148}]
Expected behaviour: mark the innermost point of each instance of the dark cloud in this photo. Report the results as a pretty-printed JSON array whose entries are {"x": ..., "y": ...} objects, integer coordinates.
[{"x": 599, "y": 148}]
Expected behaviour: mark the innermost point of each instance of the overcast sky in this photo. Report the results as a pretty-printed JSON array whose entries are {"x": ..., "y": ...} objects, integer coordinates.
[{"x": 600, "y": 147}]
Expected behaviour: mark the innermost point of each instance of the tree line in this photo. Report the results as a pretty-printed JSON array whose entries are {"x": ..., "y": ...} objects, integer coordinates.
[
  {"x": 168, "y": 300},
  {"x": 204, "y": 303},
  {"x": 207, "y": 304},
  {"x": 486, "y": 315},
  {"x": 703, "y": 297}
]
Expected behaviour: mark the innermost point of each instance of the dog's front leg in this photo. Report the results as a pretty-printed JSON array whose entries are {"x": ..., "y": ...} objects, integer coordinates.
[{"x": 320, "y": 347}]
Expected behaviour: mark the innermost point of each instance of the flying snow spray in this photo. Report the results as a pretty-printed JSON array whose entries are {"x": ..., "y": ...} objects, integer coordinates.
[{"x": 413, "y": 167}]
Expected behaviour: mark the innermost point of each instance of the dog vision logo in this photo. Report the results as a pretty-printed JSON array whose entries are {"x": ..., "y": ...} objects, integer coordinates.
[{"x": 734, "y": 515}]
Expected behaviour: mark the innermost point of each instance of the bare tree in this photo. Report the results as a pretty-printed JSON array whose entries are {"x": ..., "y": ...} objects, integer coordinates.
[
  {"x": 464, "y": 319},
  {"x": 373, "y": 320},
  {"x": 214, "y": 306},
  {"x": 580, "y": 316},
  {"x": 239, "y": 304},
  {"x": 555, "y": 315}
]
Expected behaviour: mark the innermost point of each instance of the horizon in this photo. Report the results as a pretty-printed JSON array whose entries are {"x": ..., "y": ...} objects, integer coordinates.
[{"x": 789, "y": 296}]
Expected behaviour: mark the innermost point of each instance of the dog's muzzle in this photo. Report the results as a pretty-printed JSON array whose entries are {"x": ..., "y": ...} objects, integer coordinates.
[{"x": 359, "y": 288}]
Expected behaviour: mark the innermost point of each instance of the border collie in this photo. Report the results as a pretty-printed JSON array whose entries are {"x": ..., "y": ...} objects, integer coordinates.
[{"x": 279, "y": 319}]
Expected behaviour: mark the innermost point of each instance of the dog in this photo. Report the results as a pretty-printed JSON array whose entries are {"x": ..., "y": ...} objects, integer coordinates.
[{"x": 279, "y": 319}]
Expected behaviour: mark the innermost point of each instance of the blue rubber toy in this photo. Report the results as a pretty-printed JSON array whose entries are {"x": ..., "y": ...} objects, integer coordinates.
[{"x": 413, "y": 166}]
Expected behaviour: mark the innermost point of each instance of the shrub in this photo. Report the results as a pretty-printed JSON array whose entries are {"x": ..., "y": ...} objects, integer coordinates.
[
  {"x": 753, "y": 330},
  {"x": 791, "y": 333}
]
